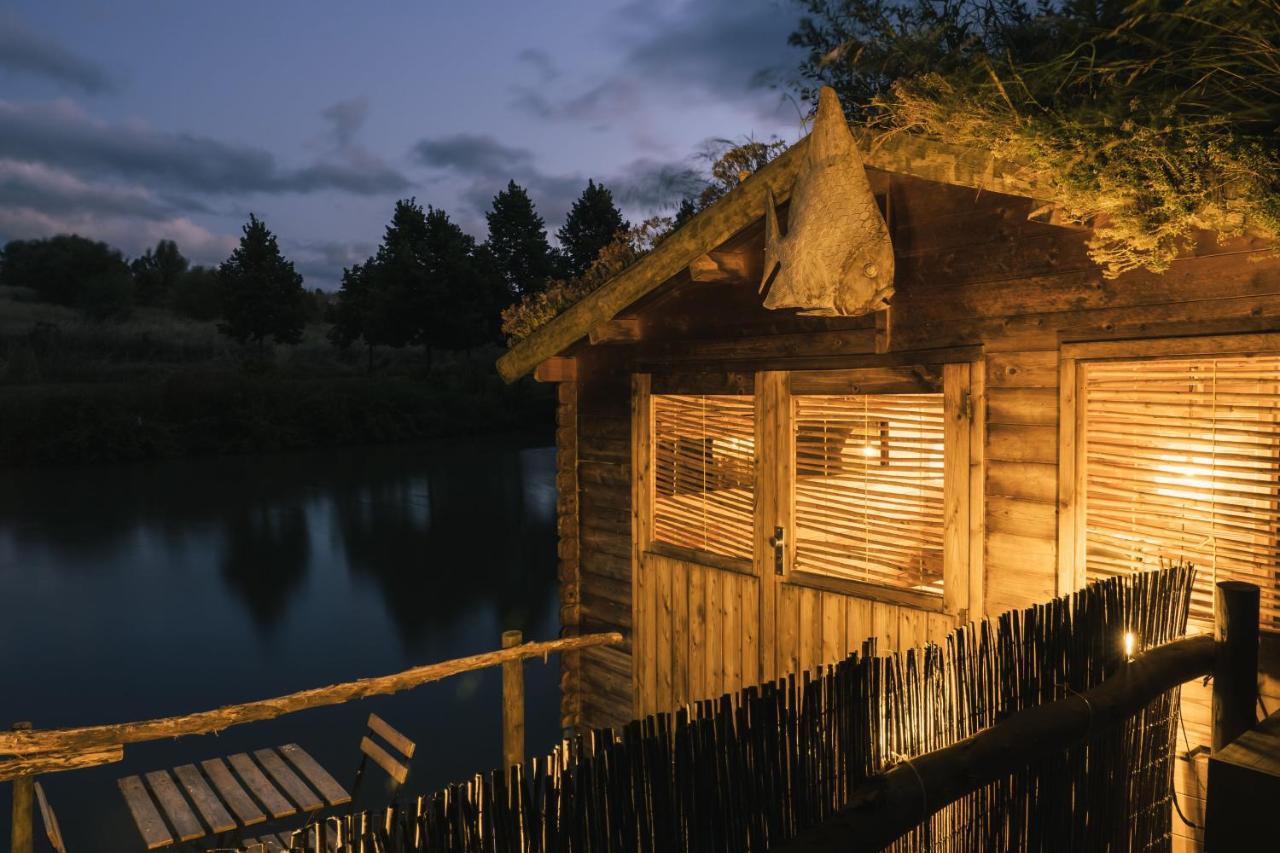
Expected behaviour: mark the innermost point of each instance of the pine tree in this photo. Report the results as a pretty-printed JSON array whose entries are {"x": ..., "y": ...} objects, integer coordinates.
[
  {"x": 518, "y": 242},
  {"x": 261, "y": 293},
  {"x": 451, "y": 315},
  {"x": 592, "y": 223}
]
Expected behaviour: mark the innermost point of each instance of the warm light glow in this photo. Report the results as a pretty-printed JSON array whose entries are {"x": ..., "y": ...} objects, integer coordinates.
[
  {"x": 868, "y": 450},
  {"x": 1130, "y": 645}
]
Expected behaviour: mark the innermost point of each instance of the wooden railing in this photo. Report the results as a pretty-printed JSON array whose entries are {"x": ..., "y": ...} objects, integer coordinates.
[
  {"x": 914, "y": 790},
  {"x": 34, "y": 752}
]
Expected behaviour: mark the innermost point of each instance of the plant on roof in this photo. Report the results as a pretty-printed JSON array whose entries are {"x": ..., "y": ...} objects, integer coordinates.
[{"x": 1150, "y": 119}]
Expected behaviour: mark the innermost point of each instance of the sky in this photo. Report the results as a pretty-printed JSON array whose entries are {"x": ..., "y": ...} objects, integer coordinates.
[{"x": 132, "y": 122}]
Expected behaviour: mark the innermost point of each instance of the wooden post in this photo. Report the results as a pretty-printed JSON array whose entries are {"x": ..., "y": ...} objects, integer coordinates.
[
  {"x": 21, "y": 836},
  {"x": 512, "y": 703},
  {"x": 1235, "y": 666}
]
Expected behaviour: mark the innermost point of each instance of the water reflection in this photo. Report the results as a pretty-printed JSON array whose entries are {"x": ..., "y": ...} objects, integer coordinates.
[{"x": 145, "y": 590}]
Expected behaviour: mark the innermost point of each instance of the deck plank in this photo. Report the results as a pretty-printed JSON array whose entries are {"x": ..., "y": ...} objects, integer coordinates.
[
  {"x": 207, "y": 803},
  {"x": 145, "y": 814},
  {"x": 181, "y": 817},
  {"x": 262, "y": 789},
  {"x": 294, "y": 787},
  {"x": 325, "y": 784},
  {"x": 232, "y": 794}
]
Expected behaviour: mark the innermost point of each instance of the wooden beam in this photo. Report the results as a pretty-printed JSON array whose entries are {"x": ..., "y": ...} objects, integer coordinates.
[
  {"x": 728, "y": 267},
  {"x": 894, "y": 802},
  {"x": 619, "y": 330},
  {"x": 884, "y": 329},
  {"x": 1235, "y": 670},
  {"x": 85, "y": 738},
  {"x": 705, "y": 232},
  {"x": 556, "y": 369}
]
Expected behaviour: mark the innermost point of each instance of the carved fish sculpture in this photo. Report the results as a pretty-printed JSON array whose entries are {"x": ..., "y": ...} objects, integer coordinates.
[{"x": 836, "y": 258}]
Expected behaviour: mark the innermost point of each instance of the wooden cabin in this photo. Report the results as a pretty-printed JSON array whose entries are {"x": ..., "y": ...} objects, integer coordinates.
[{"x": 745, "y": 492}]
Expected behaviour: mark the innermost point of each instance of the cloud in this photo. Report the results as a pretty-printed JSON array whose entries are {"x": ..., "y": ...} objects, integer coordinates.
[
  {"x": 347, "y": 117},
  {"x": 710, "y": 51},
  {"x": 541, "y": 62},
  {"x": 129, "y": 234},
  {"x": 60, "y": 134},
  {"x": 472, "y": 153},
  {"x": 321, "y": 263},
  {"x": 481, "y": 166},
  {"x": 36, "y": 186},
  {"x": 25, "y": 52}
]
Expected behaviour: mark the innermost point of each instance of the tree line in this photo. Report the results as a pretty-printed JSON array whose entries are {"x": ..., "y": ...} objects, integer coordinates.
[{"x": 429, "y": 284}]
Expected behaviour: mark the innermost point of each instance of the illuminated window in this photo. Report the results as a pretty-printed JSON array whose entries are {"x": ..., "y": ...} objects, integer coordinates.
[
  {"x": 869, "y": 488},
  {"x": 1182, "y": 462},
  {"x": 704, "y": 452}
]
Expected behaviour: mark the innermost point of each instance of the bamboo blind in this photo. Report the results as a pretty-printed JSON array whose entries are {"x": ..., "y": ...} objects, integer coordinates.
[
  {"x": 1182, "y": 458},
  {"x": 704, "y": 449},
  {"x": 869, "y": 487}
]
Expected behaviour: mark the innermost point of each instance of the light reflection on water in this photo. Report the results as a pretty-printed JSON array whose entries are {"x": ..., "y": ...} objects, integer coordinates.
[{"x": 138, "y": 591}]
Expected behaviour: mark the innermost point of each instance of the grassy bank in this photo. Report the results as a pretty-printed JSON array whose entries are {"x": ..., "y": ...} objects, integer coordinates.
[{"x": 74, "y": 391}]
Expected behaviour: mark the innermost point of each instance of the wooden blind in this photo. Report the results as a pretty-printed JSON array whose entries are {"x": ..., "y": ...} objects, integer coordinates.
[
  {"x": 704, "y": 472},
  {"x": 1182, "y": 458},
  {"x": 869, "y": 486}
]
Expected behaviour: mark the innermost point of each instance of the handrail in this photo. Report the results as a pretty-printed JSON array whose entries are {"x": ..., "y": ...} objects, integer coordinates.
[{"x": 107, "y": 739}]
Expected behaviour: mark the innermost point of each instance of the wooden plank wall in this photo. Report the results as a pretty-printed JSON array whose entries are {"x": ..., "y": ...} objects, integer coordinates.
[
  {"x": 972, "y": 271},
  {"x": 604, "y": 521},
  {"x": 817, "y": 627},
  {"x": 702, "y": 640}
]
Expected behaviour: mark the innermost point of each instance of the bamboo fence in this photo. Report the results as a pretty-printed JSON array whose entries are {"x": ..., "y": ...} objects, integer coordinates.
[{"x": 751, "y": 770}]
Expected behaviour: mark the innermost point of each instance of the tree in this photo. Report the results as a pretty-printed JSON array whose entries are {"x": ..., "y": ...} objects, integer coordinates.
[
  {"x": 196, "y": 294},
  {"x": 70, "y": 270},
  {"x": 156, "y": 273},
  {"x": 261, "y": 293},
  {"x": 518, "y": 242},
  {"x": 453, "y": 307},
  {"x": 592, "y": 223},
  {"x": 353, "y": 310}
]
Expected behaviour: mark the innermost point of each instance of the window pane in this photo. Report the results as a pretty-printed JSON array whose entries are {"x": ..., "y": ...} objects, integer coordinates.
[
  {"x": 1181, "y": 463},
  {"x": 869, "y": 481},
  {"x": 704, "y": 472}
]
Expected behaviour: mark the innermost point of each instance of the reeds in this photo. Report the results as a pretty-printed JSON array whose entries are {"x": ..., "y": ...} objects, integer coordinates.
[{"x": 751, "y": 769}]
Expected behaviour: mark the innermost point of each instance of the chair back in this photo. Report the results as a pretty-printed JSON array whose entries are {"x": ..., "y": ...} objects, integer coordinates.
[
  {"x": 387, "y": 748},
  {"x": 51, "y": 828}
]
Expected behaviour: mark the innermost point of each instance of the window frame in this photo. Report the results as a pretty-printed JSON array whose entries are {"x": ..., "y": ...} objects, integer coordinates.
[
  {"x": 963, "y": 410},
  {"x": 1072, "y": 450},
  {"x": 962, "y": 384}
]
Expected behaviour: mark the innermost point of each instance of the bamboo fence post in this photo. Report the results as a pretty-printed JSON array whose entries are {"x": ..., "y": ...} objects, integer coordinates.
[
  {"x": 1235, "y": 668},
  {"x": 512, "y": 703},
  {"x": 21, "y": 837}
]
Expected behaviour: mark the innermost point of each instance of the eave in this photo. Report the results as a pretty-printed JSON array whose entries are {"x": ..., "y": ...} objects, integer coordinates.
[{"x": 900, "y": 153}]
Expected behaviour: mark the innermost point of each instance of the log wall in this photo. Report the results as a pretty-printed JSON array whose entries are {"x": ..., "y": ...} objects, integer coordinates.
[{"x": 973, "y": 275}]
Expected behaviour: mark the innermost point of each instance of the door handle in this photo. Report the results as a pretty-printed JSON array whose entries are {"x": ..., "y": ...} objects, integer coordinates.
[{"x": 778, "y": 543}]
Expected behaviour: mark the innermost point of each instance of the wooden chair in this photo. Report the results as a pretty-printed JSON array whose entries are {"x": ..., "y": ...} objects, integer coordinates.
[
  {"x": 50, "y": 820},
  {"x": 393, "y": 758},
  {"x": 371, "y": 750}
]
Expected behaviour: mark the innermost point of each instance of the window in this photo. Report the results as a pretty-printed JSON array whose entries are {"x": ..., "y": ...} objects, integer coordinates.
[
  {"x": 1181, "y": 460},
  {"x": 704, "y": 472},
  {"x": 869, "y": 488}
]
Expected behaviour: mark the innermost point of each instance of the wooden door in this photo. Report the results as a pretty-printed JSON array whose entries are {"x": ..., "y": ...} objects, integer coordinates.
[{"x": 707, "y": 624}]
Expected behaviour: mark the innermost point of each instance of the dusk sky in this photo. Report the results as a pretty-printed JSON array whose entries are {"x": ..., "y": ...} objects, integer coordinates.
[{"x": 134, "y": 121}]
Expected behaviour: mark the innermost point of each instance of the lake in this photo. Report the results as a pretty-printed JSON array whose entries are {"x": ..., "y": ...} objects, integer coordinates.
[{"x": 147, "y": 590}]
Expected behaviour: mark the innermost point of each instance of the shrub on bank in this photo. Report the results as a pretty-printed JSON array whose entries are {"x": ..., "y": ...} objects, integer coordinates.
[{"x": 201, "y": 412}]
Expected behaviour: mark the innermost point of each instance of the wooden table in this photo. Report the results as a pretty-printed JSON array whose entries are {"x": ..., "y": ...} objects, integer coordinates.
[
  {"x": 1244, "y": 790},
  {"x": 222, "y": 795}
]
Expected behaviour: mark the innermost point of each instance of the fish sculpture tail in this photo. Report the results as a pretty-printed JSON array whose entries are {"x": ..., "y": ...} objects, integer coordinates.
[{"x": 772, "y": 239}]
